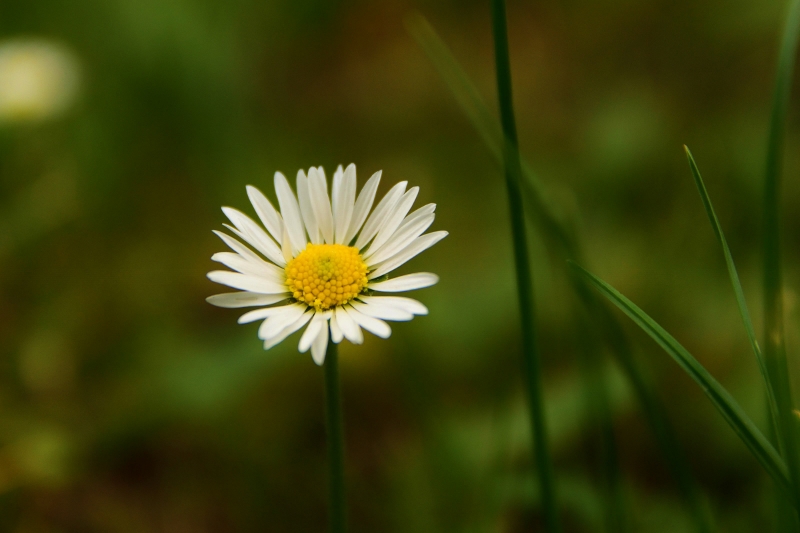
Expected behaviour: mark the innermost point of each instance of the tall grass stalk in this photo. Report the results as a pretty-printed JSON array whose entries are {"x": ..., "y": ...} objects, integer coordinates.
[
  {"x": 531, "y": 363},
  {"x": 774, "y": 346},
  {"x": 333, "y": 418}
]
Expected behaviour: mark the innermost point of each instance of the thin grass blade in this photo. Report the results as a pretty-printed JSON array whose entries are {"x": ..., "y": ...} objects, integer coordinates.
[
  {"x": 737, "y": 285},
  {"x": 457, "y": 81},
  {"x": 531, "y": 357},
  {"x": 730, "y": 410}
]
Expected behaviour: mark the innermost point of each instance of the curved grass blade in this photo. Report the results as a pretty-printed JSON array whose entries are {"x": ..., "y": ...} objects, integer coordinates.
[
  {"x": 652, "y": 406},
  {"x": 728, "y": 407},
  {"x": 531, "y": 357},
  {"x": 737, "y": 285},
  {"x": 774, "y": 348}
]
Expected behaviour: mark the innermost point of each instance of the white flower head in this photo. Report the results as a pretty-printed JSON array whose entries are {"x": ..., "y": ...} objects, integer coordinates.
[{"x": 322, "y": 260}]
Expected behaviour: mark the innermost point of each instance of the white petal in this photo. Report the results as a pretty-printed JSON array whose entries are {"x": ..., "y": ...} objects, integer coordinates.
[
  {"x": 349, "y": 327},
  {"x": 373, "y": 325},
  {"x": 236, "y": 262},
  {"x": 344, "y": 197},
  {"x": 236, "y": 246},
  {"x": 305, "y": 208},
  {"x": 409, "y": 282},
  {"x": 288, "y": 330},
  {"x": 393, "y": 221},
  {"x": 257, "y": 267},
  {"x": 404, "y": 236},
  {"x": 234, "y": 300},
  {"x": 336, "y": 198},
  {"x": 240, "y": 236},
  {"x": 380, "y": 214},
  {"x": 320, "y": 345},
  {"x": 318, "y": 190},
  {"x": 274, "y": 324},
  {"x": 400, "y": 302},
  {"x": 247, "y": 283},
  {"x": 269, "y": 216},
  {"x": 286, "y": 245},
  {"x": 384, "y": 312},
  {"x": 261, "y": 314},
  {"x": 419, "y": 245},
  {"x": 362, "y": 207},
  {"x": 310, "y": 334},
  {"x": 291, "y": 213},
  {"x": 336, "y": 331},
  {"x": 254, "y": 234},
  {"x": 425, "y": 210}
]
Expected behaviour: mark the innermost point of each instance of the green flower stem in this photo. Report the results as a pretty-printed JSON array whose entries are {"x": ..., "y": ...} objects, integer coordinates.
[
  {"x": 333, "y": 419},
  {"x": 513, "y": 172}
]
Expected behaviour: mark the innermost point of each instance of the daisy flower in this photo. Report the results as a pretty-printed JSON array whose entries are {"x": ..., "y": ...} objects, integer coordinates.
[{"x": 321, "y": 262}]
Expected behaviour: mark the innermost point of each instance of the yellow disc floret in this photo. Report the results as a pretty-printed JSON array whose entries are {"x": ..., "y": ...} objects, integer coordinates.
[{"x": 326, "y": 275}]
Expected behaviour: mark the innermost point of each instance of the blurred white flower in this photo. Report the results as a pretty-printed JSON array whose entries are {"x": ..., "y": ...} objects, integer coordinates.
[
  {"x": 325, "y": 257},
  {"x": 38, "y": 79}
]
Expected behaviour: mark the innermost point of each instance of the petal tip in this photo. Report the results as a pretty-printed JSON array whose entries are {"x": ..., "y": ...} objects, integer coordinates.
[{"x": 253, "y": 191}]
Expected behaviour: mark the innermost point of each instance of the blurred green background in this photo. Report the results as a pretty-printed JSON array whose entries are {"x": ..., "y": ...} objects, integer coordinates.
[{"x": 128, "y": 404}]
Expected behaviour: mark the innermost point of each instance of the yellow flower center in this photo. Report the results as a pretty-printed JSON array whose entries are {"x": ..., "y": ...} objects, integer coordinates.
[{"x": 326, "y": 275}]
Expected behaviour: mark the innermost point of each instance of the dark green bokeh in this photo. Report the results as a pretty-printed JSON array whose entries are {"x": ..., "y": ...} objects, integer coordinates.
[{"x": 129, "y": 404}]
